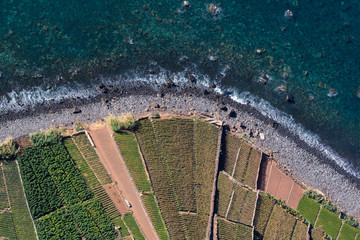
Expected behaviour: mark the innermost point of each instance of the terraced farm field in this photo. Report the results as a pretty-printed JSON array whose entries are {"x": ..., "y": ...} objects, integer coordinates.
[
  {"x": 264, "y": 208},
  {"x": 237, "y": 231},
  {"x": 348, "y": 232},
  {"x": 309, "y": 208},
  {"x": 329, "y": 221},
  {"x": 230, "y": 156},
  {"x": 20, "y": 214},
  {"x": 280, "y": 225},
  {"x": 225, "y": 190}
]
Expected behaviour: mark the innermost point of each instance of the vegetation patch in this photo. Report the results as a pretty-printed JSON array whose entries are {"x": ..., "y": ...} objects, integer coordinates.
[
  {"x": 237, "y": 203},
  {"x": 128, "y": 147},
  {"x": 8, "y": 149},
  {"x": 229, "y": 230},
  {"x": 7, "y": 229},
  {"x": 124, "y": 122},
  {"x": 105, "y": 200},
  {"x": 348, "y": 232},
  {"x": 308, "y": 208},
  {"x": 20, "y": 213},
  {"x": 4, "y": 203},
  {"x": 225, "y": 189},
  {"x": 155, "y": 215},
  {"x": 44, "y": 138},
  {"x": 330, "y": 222},
  {"x": 132, "y": 225},
  {"x": 243, "y": 232},
  {"x": 92, "y": 158},
  {"x": 242, "y": 161},
  {"x": 317, "y": 234},
  {"x": 120, "y": 225},
  {"x": 252, "y": 170}
]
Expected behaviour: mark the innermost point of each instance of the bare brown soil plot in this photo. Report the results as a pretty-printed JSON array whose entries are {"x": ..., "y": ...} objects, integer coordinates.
[
  {"x": 113, "y": 162},
  {"x": 296, "y": 193}
]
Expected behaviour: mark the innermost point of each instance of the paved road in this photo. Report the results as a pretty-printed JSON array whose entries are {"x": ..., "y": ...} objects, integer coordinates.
[{"x": 117, "y": 168}]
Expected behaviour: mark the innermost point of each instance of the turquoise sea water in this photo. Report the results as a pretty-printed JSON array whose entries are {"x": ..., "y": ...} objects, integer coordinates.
[{"x": 314, "y": 54}]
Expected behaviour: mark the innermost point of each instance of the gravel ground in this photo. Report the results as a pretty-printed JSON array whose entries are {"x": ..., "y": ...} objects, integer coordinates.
[{"x": 304, "y": 163}]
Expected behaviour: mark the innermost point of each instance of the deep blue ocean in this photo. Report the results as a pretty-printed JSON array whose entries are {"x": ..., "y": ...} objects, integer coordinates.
[{"x": 59, "y": 49}]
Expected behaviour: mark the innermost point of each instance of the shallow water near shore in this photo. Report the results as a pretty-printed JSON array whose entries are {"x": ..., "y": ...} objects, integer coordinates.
[{"x": 54, "y": 50}]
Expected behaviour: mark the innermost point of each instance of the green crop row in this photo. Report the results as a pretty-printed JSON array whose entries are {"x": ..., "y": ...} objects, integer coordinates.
[
  {"x": 119, "y": 223},
  {"x": 248, "y": 208},
  {"x": 308, "y": 208},
  {"x": 84, "y": 168},
  {"x": 348, "y": 232},
  {"x": 281, "y": 224},
  {"x": 57, "y": 225},
  {"x": 128, "y": 147},
  {"x": 92, "y": 158},
  {"x": 264, "y": 207},
  {"x": 7, "y": 229},
  {"x": 252, "y": 169},
  {"x": 233, "y": 231},
  {"x": 243, "y": 232},
  {"x": 159, "y": 179},
  {"x": 175, "y": 138},
  {"x": 4, "y": 203},
  {"x": 195, "y": 225},
  {"x": 133, "y": 227},
  {"x": 232, "y": 145},
  {"x": 225, "y": 189},
  {"x": 242, "y": 161},
  {"x": 155, "y": 215},
  {"x": 22, "y": 220},
  {"x": 237, "y": 203},
  {"x": 105, "y": 200},
  {"x": 206, "y": 138}
]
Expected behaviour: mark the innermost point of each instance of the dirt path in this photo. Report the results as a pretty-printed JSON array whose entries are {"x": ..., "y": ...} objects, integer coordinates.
[{"x": 118, "y": 171}]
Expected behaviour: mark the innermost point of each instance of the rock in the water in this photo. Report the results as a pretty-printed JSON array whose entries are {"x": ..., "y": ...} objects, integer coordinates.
[
  {"x": 232, "y": 114},
  {"x": 170, "y": 83},
  {"x": 186, "y": 4},
  {"x": 155, "y": 105},
  {"x": 76, "y": 110},
  {"x": 192, "y": 78},
  {"x": 289, "y": 98},
  {"x": 282, "y": 88},
  {"x": 206, "y": 92},
  {"x": 212, "y": 85},
  {"x": 357, "y": 93},
  {"x": 101, "y": 85}
]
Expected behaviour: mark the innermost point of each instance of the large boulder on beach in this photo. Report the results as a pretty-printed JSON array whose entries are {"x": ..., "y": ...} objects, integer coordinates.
[
  {"x": 76, "y": 110},
  {"x": 232, "y": 114}
]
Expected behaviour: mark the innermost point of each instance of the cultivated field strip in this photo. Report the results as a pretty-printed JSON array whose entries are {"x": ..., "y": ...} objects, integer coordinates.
[
  {"x": 300, "y": 231},
  {"x": 196, "y": 225},
  {"x": 128, "y": 147},
  {"x": 175, "y": 140},
  {"x": 83, "y": 166},
  {"x": 206, "y": 138},
  {"x": 225, "y": 190},
  {"x": 252, "y": 170},
  {"x": 309, "y": 209},
  {"x": 160, "y": 179},
  {"x": 232, "y": 147},
  {"x": 264, "y": 207},
  {"x": 329, "y": 221},
  {"x": 84, "y": 145},
  {"x": 281, "y": 224},
  {"x": 242, "y": 161},
  {"x": 234, "y": 231},
  {"x": 7, "y": 228},
  {"x": 242, "y": 207},
  {"x": 20, "y": 213},
  {"x": 106, "y": 202},
  {"x": 4, "y": 201}
]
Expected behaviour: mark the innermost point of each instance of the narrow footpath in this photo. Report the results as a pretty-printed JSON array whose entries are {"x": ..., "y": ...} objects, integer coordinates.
[{"x": 115, "y": 165}]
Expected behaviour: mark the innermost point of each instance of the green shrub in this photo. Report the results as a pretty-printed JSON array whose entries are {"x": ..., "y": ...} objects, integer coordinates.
[
  {"x": 125, "y": 122},
  {"x": 350, "y": 220},
  {"x": 8, "y": 149},
  {"x": 79, "y": 125},
  {"x": 155, "y": 115},
  {"x": 50, "y": 137}
]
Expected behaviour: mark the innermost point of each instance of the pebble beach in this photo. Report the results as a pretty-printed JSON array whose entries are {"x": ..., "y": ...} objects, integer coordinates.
[{"x": 304, "y": 163}]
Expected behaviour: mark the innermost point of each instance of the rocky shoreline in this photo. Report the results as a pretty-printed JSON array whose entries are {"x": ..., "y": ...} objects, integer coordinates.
[{"x": 298, "y": 159}]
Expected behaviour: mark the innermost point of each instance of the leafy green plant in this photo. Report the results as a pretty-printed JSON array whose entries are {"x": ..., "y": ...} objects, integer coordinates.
[
  {"x": 8, "y": 149},
  {"x": 124, "y": 122},
  {"x": 350, "y": 220},
  {"x": 50, "y": 137},
  {"x": 155, "y": 115}
]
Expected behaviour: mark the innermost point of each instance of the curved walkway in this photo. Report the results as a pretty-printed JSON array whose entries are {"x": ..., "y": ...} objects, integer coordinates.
[{"x": 114, "y": 163}]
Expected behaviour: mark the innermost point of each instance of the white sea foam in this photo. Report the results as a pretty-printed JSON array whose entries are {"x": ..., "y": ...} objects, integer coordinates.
[{"x": 17, "y": 101}]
